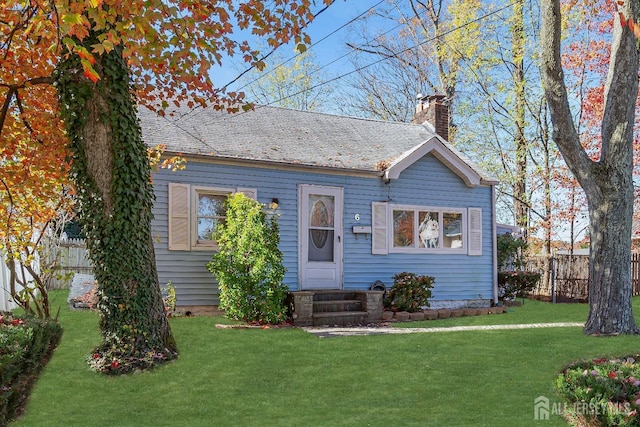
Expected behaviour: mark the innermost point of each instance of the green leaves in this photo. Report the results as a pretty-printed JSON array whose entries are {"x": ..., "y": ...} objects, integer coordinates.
[{"x": 248, "y": 264}]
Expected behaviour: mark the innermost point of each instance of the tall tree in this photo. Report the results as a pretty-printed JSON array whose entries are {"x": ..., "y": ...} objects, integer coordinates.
[
  {"x": 607, "y": 181},
  {"x": 289, "y": 83},
  {"x": 518, "y": 39},
  {"x": 107, "y": 54},
  {"x": 424, "y": 56}
]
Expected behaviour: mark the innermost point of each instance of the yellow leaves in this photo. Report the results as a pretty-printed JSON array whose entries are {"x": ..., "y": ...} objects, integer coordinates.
[
  {"x": 173, "y": 163},
  {"x": 72, "y": 18},
  {"x": 105, "y": 46}
]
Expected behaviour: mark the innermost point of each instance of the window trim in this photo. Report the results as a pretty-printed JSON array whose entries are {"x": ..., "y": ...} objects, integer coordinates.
[
  {"x": 196, "y": 191},
  {"x": 415, "y": 248}
]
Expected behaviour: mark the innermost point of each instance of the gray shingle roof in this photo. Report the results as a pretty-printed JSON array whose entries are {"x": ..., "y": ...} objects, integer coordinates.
[{"x": 275, "y": 134}]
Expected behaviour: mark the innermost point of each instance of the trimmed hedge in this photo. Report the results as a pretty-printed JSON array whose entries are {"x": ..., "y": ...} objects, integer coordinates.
[{"x": 26, "y": 344}]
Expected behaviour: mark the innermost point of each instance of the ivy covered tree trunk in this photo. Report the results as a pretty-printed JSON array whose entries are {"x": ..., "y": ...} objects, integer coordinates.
[{"x": 115, "y": 195}]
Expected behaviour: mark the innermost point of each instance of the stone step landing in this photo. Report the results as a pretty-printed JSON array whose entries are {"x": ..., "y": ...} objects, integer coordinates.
[{"x": 336, "y": 308}]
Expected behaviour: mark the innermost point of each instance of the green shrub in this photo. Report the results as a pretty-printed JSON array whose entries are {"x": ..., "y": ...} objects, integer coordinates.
[
  {"x": 516, "y": 284},
  {"x": 409, "y": 292},
  {"x": 602, "y": 392},
  {"x": 25, "y": 347},
  {"x": 248, "y": 264},
  {"x": 511, "y": 252}
]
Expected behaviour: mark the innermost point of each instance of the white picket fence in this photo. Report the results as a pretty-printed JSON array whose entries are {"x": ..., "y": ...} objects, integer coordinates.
[
  {"x": 6, "y": 302},
  {"x": 72, "y": 258}
]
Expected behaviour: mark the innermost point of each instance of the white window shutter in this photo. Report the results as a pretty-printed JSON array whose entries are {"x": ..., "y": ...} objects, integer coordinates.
[
  {"x": 179, "y": 220},
  {"x": 379, "y": 235},
  {"x": 475, "y": 231},
  {"x": 251, "y": 193}
]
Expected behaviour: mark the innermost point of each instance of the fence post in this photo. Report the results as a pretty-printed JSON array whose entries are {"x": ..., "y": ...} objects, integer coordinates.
[{"x": 552, "y": 267}]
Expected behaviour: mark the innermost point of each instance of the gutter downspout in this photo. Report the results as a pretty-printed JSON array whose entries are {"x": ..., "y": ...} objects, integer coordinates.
[{"x": 495, "y": 246}]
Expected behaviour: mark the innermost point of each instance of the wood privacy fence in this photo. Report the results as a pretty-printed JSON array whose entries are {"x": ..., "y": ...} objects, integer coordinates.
[
  {"x": 568, "y": 277},
  {"x": 72, "y": 258}
]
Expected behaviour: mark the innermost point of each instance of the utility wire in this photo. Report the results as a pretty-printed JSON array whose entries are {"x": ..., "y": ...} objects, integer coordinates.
[
  {"x": 341, "y": 76},
  {"x": 175, "y": 122},
  {"x": 298, "y": 54},
  {"x": 310, "y": 47},
  {"x": 389, "y": 56},
  {"x": 275, "y": 48}
]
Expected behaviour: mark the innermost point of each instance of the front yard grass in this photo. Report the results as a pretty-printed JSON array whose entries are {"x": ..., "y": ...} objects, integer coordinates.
[{"x": 287, "y": 377}]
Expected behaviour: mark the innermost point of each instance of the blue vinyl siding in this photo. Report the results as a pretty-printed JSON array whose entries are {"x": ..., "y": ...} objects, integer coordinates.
[{"x": 427, "y": 182}]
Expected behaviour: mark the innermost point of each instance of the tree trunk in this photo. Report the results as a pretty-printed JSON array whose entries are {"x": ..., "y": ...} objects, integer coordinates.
[
  {"x": 607, "y": 182},
  {"x": 610, "y": 214},
  {"x": 112, "y": 177},
  {"x": 520, "y": 200}
]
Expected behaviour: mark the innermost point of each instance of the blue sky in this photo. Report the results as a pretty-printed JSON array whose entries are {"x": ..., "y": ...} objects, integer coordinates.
[{"x": 326, "y": 51}]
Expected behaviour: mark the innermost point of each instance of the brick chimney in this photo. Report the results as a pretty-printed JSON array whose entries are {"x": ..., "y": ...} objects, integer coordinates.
[{"x": 432, "y": 109}]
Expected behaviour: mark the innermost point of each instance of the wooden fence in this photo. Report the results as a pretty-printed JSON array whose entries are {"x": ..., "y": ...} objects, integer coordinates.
[
  {"x": 72, "y": 258},
  {"x": 568, "y": 276}
]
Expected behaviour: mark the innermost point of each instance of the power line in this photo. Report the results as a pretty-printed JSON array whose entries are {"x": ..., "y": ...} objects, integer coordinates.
[
  {"x": 310, "y": 47},
  {"x": 356, "y": 70},
  {"x": 274, "y": 49},
  {"x": 175, "y": 122},
  {"x": 391, "y": 55}
]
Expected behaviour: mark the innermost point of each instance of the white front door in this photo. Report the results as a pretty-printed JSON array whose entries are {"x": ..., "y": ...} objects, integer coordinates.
[{"x": 320, "y": 237}]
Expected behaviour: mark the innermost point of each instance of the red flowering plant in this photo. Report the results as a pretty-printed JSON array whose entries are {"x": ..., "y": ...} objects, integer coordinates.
[
  {"x": 15, "y": 338},
  {"x": 608, "y": 388}
]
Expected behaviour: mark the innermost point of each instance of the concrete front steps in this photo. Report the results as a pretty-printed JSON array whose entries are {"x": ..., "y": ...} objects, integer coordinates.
[{"x": 336, "y": 308}]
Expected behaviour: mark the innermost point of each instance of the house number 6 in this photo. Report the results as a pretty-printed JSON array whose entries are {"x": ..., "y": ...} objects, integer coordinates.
[{"x": 357, "y": 217}]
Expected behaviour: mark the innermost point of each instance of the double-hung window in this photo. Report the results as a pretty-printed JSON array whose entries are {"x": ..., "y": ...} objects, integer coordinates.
[
  {"x": 210, "y": 211},
  {"x": 194, "y": 214}
]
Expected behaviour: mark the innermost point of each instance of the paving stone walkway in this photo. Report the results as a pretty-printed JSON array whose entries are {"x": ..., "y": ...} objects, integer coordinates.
[{"x": 326, "y": 332}]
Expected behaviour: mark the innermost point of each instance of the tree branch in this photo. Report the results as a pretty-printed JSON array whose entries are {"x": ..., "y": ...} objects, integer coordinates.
[
  {"x": 621, "y": 90},
  {"x": 12, "y": 91},
  {"x": 564, "y": 129}
]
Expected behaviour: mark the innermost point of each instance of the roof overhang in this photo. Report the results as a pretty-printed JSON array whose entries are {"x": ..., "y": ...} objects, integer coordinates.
[
  {"x": 440, "y": 151},
  {"x": 272, "y": 164}
]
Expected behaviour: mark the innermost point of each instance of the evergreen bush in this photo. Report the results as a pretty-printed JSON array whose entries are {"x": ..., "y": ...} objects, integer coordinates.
[
  {"x": 26, "y": 344},
  {"x": 248, "y": 263}
]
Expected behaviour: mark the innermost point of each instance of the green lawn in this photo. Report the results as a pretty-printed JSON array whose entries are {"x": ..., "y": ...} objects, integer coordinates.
[{"x": 249, "y": 377}]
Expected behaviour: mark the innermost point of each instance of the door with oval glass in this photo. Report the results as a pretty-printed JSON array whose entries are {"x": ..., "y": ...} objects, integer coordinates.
[{"x": 320, "y": 237}]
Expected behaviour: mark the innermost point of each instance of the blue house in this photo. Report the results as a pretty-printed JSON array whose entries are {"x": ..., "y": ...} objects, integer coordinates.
[{"x": 358, "y": 200}]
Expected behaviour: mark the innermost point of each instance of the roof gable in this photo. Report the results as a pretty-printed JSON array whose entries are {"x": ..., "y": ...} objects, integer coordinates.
[{"x": 442, "y": 152}]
